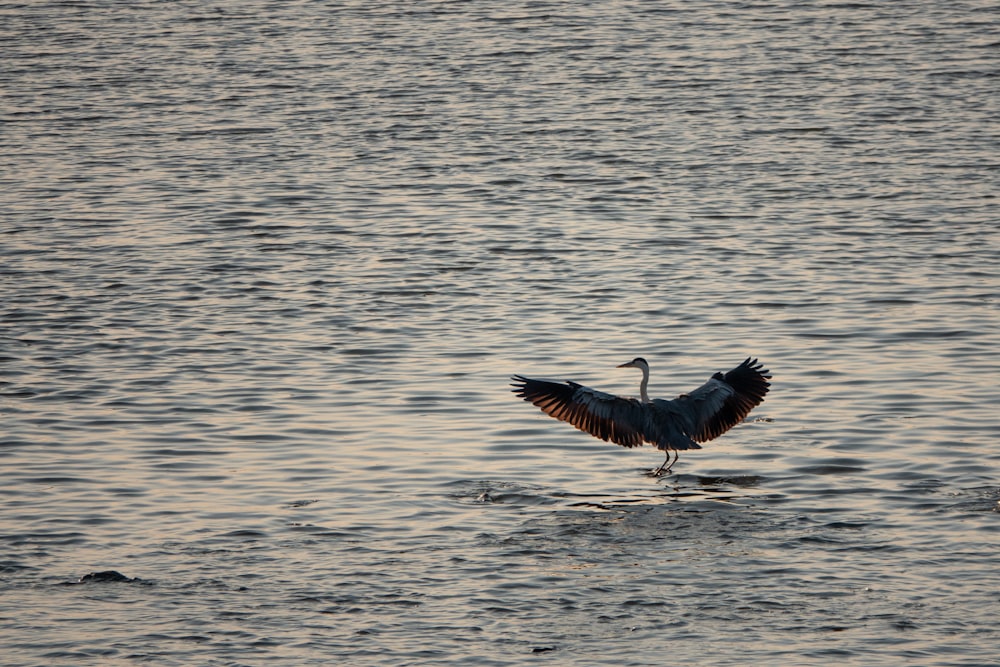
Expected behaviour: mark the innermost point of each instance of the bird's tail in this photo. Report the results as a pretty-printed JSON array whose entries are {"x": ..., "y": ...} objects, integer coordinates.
[{"x": 679, "y": 442}]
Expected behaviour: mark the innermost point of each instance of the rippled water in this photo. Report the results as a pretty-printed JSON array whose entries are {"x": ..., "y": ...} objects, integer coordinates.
[{"x": 267, "y": 269}]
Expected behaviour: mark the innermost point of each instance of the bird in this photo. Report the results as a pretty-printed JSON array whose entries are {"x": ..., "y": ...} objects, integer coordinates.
[{"x": 671, "y": 425}]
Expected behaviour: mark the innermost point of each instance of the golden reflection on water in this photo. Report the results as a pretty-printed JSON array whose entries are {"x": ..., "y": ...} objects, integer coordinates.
[{"x": 262, "y": 304}]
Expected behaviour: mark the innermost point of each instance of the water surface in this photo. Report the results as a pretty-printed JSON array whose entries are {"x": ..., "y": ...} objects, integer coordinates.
[{"x": 267, "y": 269}]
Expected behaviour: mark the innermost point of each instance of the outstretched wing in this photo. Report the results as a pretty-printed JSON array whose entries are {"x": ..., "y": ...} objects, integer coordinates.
[
  {"x": 624, "y": 421},
  {"x": 724, "y": 401}
]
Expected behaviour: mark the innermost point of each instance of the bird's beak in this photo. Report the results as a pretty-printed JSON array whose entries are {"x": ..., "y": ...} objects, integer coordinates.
[{"x": 627, "y": 364}]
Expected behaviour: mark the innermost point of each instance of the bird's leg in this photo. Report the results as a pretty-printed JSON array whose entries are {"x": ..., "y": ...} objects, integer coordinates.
[{"x": 664, "y": 467}]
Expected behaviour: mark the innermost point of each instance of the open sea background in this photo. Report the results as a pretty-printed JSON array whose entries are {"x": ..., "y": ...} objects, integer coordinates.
[{"x": 268, "y": 266}]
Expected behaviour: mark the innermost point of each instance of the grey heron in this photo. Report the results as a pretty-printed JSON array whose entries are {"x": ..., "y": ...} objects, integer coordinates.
[{"x": 669, "y": 425}]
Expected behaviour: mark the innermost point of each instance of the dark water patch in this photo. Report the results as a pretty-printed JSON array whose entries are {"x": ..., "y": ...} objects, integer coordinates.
[
  {"x": 44, "y": 539},
  {"x": 847, "y": 525},
  {"x": 244, "y": 535},
  {"x": 185, "y": 465},
  {"x": 128, "y": 492},
  {"x": 976, "y": 499},
  {"x": 258, "y": 437},
  {"x": 105, "y": 577},
  {"x": 826, "y": 469},
  {"x": 301, "y": 503},
  {"x": 743, "y": 481},
  {"x": 500, "y": 492},
  {"x": 184, "y": 453},
  {"x": 12, "y": 567},
  {"x": 57, "y": 480}
]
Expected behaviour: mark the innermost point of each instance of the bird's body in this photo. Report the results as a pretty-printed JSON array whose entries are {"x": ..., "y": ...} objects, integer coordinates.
[{"x": 670, "y": 425}]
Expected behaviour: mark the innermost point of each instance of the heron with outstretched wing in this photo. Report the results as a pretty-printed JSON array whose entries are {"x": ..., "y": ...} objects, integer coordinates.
[{"x": 669, "y": 425}]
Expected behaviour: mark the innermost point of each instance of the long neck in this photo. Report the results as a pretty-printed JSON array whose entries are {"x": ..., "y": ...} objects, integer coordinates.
[{"x": 644, "y": 384}]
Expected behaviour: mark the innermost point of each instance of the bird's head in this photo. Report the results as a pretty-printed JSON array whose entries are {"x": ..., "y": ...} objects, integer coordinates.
[{"x": 638, "y": 362}]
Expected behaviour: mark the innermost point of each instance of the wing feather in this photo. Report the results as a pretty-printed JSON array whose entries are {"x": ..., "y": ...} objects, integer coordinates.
[
  {"x": 724, "y": 401},
  {"x": 620, "y": 420}
]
